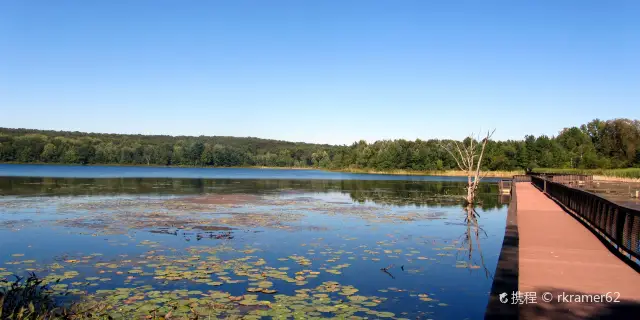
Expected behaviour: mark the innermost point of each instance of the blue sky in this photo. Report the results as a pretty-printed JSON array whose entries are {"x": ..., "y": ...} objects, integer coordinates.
[{"x": 318, "y": 71}]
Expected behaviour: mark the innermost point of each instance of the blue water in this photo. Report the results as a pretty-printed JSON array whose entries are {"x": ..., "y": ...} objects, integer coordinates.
[
  {"x": 96, "y": 209},
  {"x": 64, "y": 171}
]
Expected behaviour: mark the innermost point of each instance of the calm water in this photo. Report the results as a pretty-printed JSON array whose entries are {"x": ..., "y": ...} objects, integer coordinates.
[
  {"x": 251, "y": 243},
  {"x": 62, "y": 171}
]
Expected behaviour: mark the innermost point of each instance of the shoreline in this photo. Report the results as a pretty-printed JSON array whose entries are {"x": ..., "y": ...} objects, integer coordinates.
[
  {"x": 615, "y": 179},
  {"x": 619, "y": 174},
  {"x": 450, "y": 173},
  {"x": 398, "y": 172},
  {"x": 445, "y": 173}
]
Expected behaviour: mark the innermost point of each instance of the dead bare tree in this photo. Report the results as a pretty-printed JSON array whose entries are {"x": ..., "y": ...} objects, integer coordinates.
[{"x": 468, "y": 156}]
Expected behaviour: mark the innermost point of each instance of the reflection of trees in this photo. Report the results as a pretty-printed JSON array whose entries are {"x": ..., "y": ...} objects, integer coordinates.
[
  {"x": 471, "y": 235},
  {"x": 389, "y": 192},
  {"x": 420, "y": 193}
]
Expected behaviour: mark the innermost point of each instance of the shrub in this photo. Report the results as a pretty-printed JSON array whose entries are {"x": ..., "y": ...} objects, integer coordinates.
[{"x": 26, "y": 299}]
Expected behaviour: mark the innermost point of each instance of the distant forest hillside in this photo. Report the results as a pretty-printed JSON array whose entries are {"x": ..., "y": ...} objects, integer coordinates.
[{"x": 597, "y": 144}]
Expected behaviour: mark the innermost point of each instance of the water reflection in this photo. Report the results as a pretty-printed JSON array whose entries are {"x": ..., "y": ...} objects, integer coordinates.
[
  {"x": 386, "y": 192},
  {"x": 470, "y": 242},
  {"x": 303, "y": 236}
]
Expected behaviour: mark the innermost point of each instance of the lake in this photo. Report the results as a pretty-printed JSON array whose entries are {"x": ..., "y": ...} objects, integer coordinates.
[{"x": 249, "y": 243}]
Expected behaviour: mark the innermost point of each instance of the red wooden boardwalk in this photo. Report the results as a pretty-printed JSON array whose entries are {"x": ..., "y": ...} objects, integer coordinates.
[{"x": 557, "y": 254}]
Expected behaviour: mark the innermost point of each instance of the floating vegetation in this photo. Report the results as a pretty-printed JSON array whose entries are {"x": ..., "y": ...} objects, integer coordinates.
[
  {"x": 210, "y": 213},
  {"x": 198, "y": 266},
  {"x": 239, "y": 256}
]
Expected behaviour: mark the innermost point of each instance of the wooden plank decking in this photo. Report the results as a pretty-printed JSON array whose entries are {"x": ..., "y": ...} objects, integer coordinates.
[{"x": 557, "y": 254}]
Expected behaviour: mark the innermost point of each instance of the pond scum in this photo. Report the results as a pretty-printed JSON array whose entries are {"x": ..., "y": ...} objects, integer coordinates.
[{"x": 217, "y": 281}]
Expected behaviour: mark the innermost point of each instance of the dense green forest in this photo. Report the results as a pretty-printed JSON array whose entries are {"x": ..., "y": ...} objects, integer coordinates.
[{"x": 597, "y": 144}]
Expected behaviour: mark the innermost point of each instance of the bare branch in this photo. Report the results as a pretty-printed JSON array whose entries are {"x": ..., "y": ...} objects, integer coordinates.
[
  {"x": 462, "y": 158},
  {"x": 468, "y": 157},
  {"x": 447, "y": 148},
  {"x": 484, "y": 145}
]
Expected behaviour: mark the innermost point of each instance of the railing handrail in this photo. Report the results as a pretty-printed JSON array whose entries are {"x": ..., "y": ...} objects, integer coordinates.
[
  {"x": 635, "y": 211},
  {"x": 615, "y": 224},
  {"x": 558, "y": 174},
  {"x": 521, "y": 178}
]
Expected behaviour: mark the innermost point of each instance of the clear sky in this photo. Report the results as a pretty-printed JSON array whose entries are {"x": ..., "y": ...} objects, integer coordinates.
[{"x": 318, "y": 71}]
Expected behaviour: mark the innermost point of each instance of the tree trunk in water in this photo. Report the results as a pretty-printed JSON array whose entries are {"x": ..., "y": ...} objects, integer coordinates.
[{"x": 470, "y": 188}]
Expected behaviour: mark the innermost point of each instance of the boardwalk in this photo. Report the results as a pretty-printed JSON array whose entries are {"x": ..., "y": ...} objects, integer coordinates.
[{"x": 558, "y": 254}]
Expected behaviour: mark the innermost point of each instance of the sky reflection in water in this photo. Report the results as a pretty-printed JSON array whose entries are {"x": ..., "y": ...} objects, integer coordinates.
[{"x": 414, "y": 228}]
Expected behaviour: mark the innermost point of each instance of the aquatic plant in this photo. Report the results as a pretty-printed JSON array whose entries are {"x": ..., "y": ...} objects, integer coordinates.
[
  {"x": 213, "y": 256},
  {"x": 26, "y": 299}
]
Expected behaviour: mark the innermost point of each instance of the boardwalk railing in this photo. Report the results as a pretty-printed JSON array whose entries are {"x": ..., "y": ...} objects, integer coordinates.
[
  {"x": 522, "y": 178},
  {"x": 618, "y": 224},
  {"x": 505, "y": 186},
  {"x": 566, "y": 178}
]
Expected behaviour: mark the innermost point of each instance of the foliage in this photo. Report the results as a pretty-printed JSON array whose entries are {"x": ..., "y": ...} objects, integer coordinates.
[
  {"x": 595, "y": 145},
  {"x": 26, "y": 299}
]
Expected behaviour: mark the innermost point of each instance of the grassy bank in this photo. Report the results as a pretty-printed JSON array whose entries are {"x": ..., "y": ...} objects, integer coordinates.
[
  {"x": 456, "y": 173},
  {"x": 628, "y": 173}
]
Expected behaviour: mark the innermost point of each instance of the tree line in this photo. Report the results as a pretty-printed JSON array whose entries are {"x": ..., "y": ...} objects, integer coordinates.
[{"x": 597, "y": 144}]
